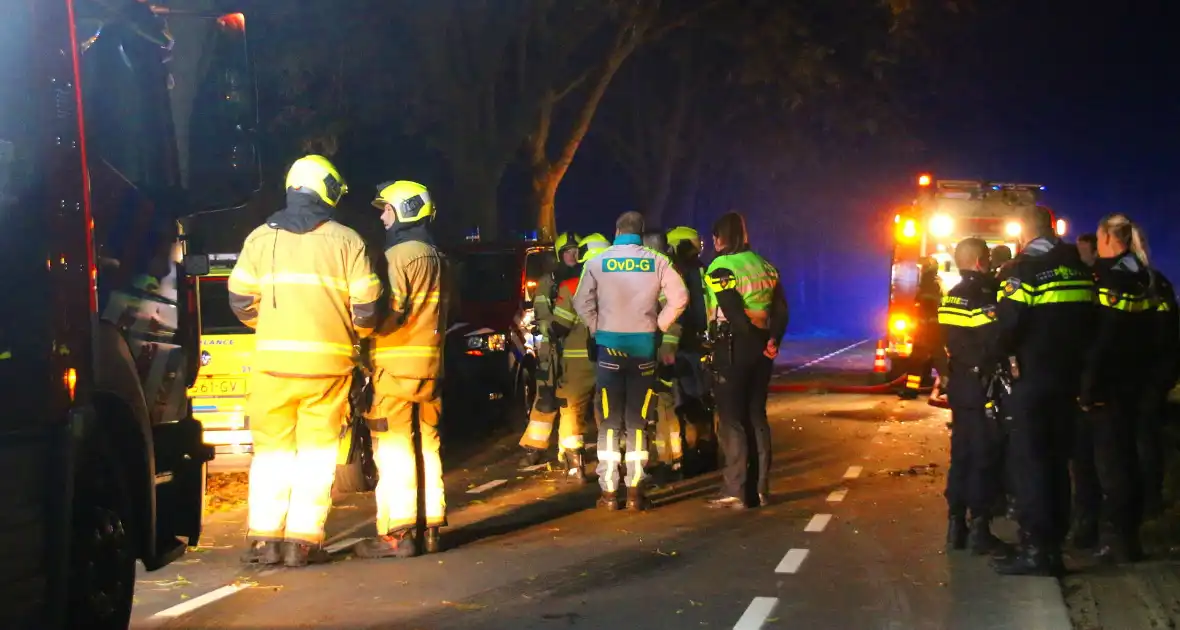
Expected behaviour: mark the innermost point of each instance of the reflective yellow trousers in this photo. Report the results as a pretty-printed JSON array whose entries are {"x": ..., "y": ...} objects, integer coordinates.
[{"x": 575, "y": 392}]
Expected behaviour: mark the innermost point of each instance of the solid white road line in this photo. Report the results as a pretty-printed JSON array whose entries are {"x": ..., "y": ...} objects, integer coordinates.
[
  {"x": 792, "y": 561},
  {"x": 825, "y": 357},
  {"x": 837, "y": 495},
  {"x": 853, "y": 472},
  {"x": 196, "y": 602},
  {"x": 818, "y": 523},
  {"x": 757, "y": 613},
  {"x": 487, "y": 486}
]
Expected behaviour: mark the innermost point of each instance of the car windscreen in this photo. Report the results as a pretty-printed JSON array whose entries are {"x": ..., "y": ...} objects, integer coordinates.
[
  {"x": 490, "y": 277},
  {"x": 216, "y": 316}
]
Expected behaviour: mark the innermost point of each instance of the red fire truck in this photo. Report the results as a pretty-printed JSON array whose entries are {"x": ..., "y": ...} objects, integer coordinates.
[
  {"x": 118, "y": 121},
  {"x": 943, "y": 213}
]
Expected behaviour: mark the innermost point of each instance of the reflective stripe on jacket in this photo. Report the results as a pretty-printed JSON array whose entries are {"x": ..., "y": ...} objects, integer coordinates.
[
  {"x": 409, "y": 342},
  {"x": 575, "y": 342},
  {"x": 309, "y": 296},
  {"x": 755, "y": 280}
]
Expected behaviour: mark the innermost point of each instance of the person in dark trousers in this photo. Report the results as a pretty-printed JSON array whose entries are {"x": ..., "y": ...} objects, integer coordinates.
[
  {"x": 1115, "y": 380},
  {"x": 966, "y": 320},
  {"x": 748, "y": 312},
  {"x": 1045, "y": 316},
  {"x": 1087, "y": 490},
  {"x": 1163, "y": 377}
]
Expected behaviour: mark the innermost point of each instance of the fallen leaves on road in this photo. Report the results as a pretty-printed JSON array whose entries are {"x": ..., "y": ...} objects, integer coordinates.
[
  {"x": 917, "y": 469},
  {"x": 226, "y": 491}
]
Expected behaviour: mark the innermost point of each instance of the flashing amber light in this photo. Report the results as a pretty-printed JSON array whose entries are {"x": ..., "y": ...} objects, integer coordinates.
[
  {"x": 1061, "y": 225},
  {"x": 532, "y": 284},
  {"x": 923, "y": 180},
  {"x": 899, "y": 323},
  {"x": 71, "y": 381},
  {"x": 908, "y": 230},
  {"x": 233, "y": 22}
]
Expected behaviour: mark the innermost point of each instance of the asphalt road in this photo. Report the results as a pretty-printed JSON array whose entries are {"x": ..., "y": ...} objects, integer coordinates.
[{"x": 853, "y": 539}]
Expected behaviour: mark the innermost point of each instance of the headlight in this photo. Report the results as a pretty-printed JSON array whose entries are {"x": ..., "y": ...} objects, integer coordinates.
[
  {"x": 899, "y": 323},
  {"x": 1012, "y": 229},
  {"x": 941, "y": 226},
  {"x": 1061, "y": 227}
]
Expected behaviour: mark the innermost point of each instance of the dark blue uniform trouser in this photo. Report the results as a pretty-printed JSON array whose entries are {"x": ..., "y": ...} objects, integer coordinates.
[
  {"x": 741, "y": 390},
  {"x": 625, "y": 404},
  {"x": 974, "y": 480},
  {"x": 1041, "y": 443}
]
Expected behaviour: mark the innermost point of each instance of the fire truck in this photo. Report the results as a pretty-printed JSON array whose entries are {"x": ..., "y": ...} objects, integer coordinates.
[
  {"x": 926, "y": 231},
  {"x": 119, "y": 121}
]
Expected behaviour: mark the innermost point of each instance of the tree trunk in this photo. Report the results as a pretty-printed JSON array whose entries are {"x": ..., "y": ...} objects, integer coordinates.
[{"x": 544, "y": 199}]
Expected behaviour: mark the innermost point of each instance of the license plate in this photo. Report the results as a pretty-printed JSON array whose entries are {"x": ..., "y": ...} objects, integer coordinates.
[{"x": 219, "y": 387}]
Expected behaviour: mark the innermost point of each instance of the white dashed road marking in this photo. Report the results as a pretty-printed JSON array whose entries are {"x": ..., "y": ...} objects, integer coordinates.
[
  {"x": 757, "y": 613},
  {"x": 197, "y": 602},
  {"x": 853, "y": 472},
  {"x": 837, "y": 495},
  {"x": 487, "y": 486},
  {"x": 792, "y": 561},
  {"x": 818, "y": 523}
]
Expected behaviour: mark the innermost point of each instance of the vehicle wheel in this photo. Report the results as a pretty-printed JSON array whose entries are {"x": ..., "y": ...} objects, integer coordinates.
[
  {"x": 102, "y": 558},
  {"x": 359, "y": 475}
]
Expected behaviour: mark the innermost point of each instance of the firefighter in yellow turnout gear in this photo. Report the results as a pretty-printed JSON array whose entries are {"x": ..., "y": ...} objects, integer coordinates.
[
  {"x": 306, "y": 285},
  {"x": 407, "y": 380},
  {"x": 575, "y": 388},
  {"x": 552, "y": 404}
]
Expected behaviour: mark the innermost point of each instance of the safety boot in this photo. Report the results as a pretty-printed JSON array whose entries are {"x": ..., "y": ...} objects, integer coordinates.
[
  {"x": 399, "y": 544},
  {"x": 432, "y": 540},
  {"x": 263, "y": 552},
  {"x": 637, "y": 500},
  {"x": 297, "y": 554},
  {"x": 575, "y": 465},
  {"x": 1032, "y": 559},
  {"x": 981, "y": 540},
  {"x": 609, "y": 501},
  {"x": 532, "y": 457},
  {"x": 956, "y": 532}
]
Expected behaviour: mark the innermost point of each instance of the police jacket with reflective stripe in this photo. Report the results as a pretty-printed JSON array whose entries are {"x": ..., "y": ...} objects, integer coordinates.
[
  {"x": 744, "y": 290},
  {"x": 619, "y": 296},
  {"x": 1046, "y": 314},
  {"x": 409, "y": 342},
  {"x": 1118, "y": 360},
  {"x": 967, "y": 323},
  {"x": 306, "y": 285},
  {"x": 567, "y": 326}
]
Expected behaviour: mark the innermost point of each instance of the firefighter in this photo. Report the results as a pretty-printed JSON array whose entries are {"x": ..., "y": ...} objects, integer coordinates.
[
  {"x": 618, "y": 298},
  {"x": 305, "y": 284},
  {"x": 547, "y": 407},
  {"x": 694, "y": 402},
  {"x": 575, "y": 387},
  {"x": 666, "y": 431},
  {"x": 1045, "y": 315},
  {"x": 1115, "y": 380},
  {"x": 407, "y": 380},
  {"x": 925, "y": 339},
  {"x": 1164, "y": 373},
  {"x": 966, "y": 319},
  {"x": 748, "y": 314}
]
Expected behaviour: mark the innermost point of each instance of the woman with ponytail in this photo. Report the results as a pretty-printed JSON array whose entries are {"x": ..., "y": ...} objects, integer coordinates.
[{"x": 1115, "y": 378}]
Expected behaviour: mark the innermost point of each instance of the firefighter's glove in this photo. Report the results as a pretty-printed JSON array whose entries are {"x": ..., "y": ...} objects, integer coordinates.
[{"x": 546, "y": 399}]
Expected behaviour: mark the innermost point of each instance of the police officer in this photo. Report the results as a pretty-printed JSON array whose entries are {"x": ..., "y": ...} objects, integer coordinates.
[
  {"x": 575, "y": 386},
  {"x": 1001, "y": 255},
  {"x": 407, "y": 380},
  {"x": 618, "y": 298},
  {"x": 748, "y": 312},
  {"x": 1088, "y": 248},
  {"x": 925, "y": 339},
  {"x": 967, "y": 322},
  {"x": 1045, "y": 316},
  {"x": 547, "y": 407},
  {"x": 694, "y": 403},
  {"x": 305, "y": 284},
  {"x": 1116, "y": 378},
  {"x": 1163, "y": 377}
]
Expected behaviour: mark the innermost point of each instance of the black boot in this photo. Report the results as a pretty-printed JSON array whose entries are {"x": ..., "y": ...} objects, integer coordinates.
[
  {"x": 1085, "y": 533},
  {"x": 1031, "y": 560},
  {"x": 981, "y": 540},
  {"x": 609, "y": 501},
  {"x": 575, "y": 465},
  {"x": 532, "y": 457},
  {"x": 399, "y": 544},
  {"x": 432, "y": 539},
  {"x": 297, "y": 554},
  {"x": 637, "y": 500},
  {"x": 263, "y": 552},
  {"x": 956, "y": 532}
]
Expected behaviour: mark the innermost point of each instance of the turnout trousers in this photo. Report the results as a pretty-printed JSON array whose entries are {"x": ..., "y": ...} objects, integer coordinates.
[
  {"x": 575, "y": 391},
  {"x": 741, "y": 389},
  {"x": 625, "y": 402},
  {"x": 404, "y": 422},
  {"x": 295, "y": 423},
  {"x": 1040, "y": 446},
  {"x": 974, "y": 480}
]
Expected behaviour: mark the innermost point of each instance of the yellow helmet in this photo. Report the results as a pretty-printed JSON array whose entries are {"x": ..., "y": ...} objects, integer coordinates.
[
  {"x": 565, "y": 240},
  {"x": 410, "y": 200},
  {"x": 316, "y": 175},
  {"x": 678, "y": 235},
  {"x": 591, "y": 246}
]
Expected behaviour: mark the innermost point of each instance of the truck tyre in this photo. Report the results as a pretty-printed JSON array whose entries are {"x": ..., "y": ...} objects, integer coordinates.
[
  {"x": 102, "y": 556},
  {"x": 360, "y": 474}
]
